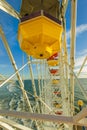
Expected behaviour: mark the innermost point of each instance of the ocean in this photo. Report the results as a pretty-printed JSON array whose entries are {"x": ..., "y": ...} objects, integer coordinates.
[{"x": 11, "y": 96}]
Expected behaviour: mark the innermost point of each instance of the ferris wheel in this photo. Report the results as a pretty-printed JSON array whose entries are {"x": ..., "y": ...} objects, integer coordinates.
[{"x": 42, "y": 36}]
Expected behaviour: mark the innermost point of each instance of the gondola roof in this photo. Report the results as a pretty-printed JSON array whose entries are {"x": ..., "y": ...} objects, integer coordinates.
[{"x": 31, "y": 6}]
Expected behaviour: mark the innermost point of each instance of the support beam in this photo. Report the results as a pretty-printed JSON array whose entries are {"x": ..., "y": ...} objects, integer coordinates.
[
  {"x": 8, "y": 79},
  {"x": 64, "y": 8},
  {"x": 5, "y": 126},
  {"x": 76, "y": 120},
  {"x": 12, "y": 123},
  {"x": 9, "y": 9},
  {"x": 15, "y": 68},
  {"x": 32, "y": 76},
  {"x": 82, "y": 66},
  {"x": 80, "y": 115},
  {"x": 72, "y": 51}
]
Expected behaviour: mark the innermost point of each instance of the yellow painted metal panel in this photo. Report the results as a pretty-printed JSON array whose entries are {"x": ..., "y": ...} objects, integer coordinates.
[
  {"x": 40, "y": 37},
  {"x": 52, "y": 62},
  {"x": 55, "y": 81}
]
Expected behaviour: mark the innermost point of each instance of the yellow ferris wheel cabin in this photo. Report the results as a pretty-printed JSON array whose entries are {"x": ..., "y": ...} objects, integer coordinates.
[{"x": 39, "y": 35}]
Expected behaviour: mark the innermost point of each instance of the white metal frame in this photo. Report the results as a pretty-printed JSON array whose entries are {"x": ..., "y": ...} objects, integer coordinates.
[{"x": 67, "y": 104}]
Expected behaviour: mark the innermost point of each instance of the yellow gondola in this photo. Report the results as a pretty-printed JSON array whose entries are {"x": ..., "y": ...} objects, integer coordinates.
[
  {"x": 40, "y": 36},
  {"x": 52, "y": 62},
  {"x": 55, "y": 81}
]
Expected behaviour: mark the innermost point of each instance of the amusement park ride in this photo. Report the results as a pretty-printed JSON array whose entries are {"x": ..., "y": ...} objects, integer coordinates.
[{"x": 42, "y": 36}]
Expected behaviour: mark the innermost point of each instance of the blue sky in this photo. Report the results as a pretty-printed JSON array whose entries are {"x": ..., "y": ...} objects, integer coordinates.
[
  {"x": 81, "y": 34},
  {"x": 10, "y": 27}
]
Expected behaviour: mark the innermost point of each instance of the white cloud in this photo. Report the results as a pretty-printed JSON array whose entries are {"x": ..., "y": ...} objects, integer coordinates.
[
  {"x": 83, "y": 53},
  {"x": 68, "y": 35},
  {"x": 79, "y": 29},
  {"x": 78, "y": 63},
  {"x": 80, "y": 59}
]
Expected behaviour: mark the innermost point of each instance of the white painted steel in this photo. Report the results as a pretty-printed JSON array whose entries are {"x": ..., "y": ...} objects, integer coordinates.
[
  {"x": 9, "y": 9},
  {"x": 15, "y": 68},
  {"x": 79, "y": 119},
  {"x": 72, "y": 51},
  {"x": 12, "y": 123}
]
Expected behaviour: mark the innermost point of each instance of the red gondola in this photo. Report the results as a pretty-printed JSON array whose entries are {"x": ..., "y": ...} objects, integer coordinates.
[
  {"x": 57, "y": 92},
  {"x": 53, "y": 57},
  {"x": 53, "y": 71},
  {"x": 58, "y": 112}
]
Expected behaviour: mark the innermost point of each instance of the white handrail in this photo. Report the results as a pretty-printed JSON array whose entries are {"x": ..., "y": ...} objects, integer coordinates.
[{"x": 79, "y": 119}]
